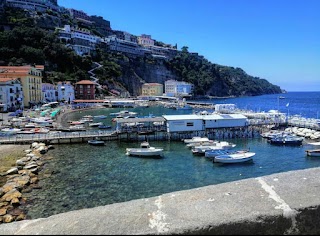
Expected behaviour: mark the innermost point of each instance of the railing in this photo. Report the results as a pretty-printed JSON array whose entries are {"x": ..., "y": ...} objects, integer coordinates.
[{"x": 20, "y": 138}]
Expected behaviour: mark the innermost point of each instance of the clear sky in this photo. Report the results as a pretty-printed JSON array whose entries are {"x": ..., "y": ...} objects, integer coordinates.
[{"x": 278, "y": 40}]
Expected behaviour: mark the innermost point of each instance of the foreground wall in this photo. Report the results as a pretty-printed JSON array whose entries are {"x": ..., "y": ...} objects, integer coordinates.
[{"x": 286, "y": 203}]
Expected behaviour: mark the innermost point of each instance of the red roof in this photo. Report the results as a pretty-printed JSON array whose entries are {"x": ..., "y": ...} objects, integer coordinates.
[
  {"x": 6, "y": 79},
  {"x": 85, "y": 82}
]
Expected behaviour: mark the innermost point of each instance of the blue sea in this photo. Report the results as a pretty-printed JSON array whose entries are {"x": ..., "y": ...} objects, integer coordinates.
[{"x": 81, "y": 176}]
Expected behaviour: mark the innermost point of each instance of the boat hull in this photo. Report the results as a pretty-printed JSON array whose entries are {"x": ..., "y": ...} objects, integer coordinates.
[
  {"x": 144, "y": 153},
  {"x": 96, "y": 143},
  {"x": 313, "y": 153},
  {"x": 234, "y": 158}
]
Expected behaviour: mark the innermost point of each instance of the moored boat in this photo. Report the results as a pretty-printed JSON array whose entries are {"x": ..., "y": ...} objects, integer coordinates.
[
  {"x": 104, "y": 126},
  {"x": 287, "y": 140},
  {"x": 97, "y": 124},
  {"x": 313, "y": 152},
  {"x": 145, "y": 150},
  {"x": 96, "y": 142},
  {"x": 211, "y": 154},
  {"x": 196, "y": 140},
  {"x": 235, "y": 157}
]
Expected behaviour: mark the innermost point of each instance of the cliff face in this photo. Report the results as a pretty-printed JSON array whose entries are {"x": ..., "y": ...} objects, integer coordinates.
[
  {"x": 219, "y": 81},
  {"x": 136, "y": 72}
]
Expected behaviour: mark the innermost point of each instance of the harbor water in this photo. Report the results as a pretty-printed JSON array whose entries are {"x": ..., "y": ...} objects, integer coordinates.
[{"x": 81, "y": 176}]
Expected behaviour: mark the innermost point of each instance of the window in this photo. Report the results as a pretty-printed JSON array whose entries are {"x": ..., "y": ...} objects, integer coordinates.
[{"x": 189, "y": 123}]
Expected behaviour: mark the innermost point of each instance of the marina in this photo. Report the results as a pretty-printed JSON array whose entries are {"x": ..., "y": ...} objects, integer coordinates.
[{"x": 109, "y": 176}]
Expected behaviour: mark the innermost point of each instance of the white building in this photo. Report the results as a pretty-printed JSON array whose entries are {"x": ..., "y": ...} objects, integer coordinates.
[
  {"x": 126, "y": 46},
  {"x": 11, "y": 94},
  {"x": 80, "y": 40},
  {"x": 224, "y": 121},
  {"x": 224, "y": 107},
  {"x": 35, "y": 5},
  {"x": 145, "y": 40},
  {"x": 65, "y": 92},
  {"x": 184, "y": 123},
  {"x": 49, "y": 92},
  {"x": 174, "y": 88},
  {"x": 181, "y": 123}
]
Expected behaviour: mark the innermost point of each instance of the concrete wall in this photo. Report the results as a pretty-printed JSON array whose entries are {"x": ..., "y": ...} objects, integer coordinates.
[{"x": 286, "y": 203}]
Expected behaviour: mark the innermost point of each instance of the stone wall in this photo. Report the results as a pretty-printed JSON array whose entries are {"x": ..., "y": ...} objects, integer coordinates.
[{"x": 284, "y": 203}]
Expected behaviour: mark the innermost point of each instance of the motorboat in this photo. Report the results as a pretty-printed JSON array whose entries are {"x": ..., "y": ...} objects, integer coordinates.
[
  {"x": 104, "y": 126},
  {"x": 200, "y": 150},
  {"x": 100, "y": 117},
  {"x": 313, "y": 152},
  {"x": 196, "y": 140},
  {"x": 10, "y": 130},
  {"x": 26, "y": 132},
  {"x": 96, "y": 142},
  {"x": 124, "y": 113},
  {"x": 206, "y": 143},
  {"x": 145, "y": 150},
  {"x": 211, "y": 154},
  {"x": 235, "y": 157},
  {"x": 287, "y": 140},
  {"x": 97, "y": 124}
]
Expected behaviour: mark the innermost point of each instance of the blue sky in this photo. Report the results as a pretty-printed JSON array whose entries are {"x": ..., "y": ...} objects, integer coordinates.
[{"x": 278, "y": 40}]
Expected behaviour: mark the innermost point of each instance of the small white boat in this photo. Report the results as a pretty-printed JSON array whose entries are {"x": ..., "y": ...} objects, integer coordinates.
[
  {"x": 95, "y": 124},
  {"x": 196, "y": 140},
  {"x": 313, "y": 153},
  {"x": 208, "y": 143},
  {"x": 211, "y": 154},
  {"x": 223, "y": 145},
  {"x": 100, "y": 117},
  {"x": 96, "y": 142},
  {"x": 235, "y": 157},
  {"x": 145, "y": 150},
  {"x": 123, "y": 113},
  {"x": 10, "y": 130},
  {"x": 26, "y": 132}
]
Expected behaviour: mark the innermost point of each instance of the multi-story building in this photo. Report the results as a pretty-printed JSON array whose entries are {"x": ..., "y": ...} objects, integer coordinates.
[
  {"x": 31, "y": 81},
  {"x": 119, "y": 45},
  {"x": 65, "y": 92},
  {"x": 34, "y": 5},
  {"x": 85, "y": 90},
  {"x": 174, "y": 88},
  {"x": 11, "y": 94},
  {"x": 49, "y": 92},
  {"x": 125, "y": 36},
  {"x": 80, "y": 16},
  {"x": 145, "y": 40},
  {"x": 152, "y": 89},
  {"x": 80, "y": 40}
]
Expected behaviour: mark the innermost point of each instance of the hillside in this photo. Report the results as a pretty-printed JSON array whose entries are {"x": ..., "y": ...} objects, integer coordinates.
[{"x": 30, "y": 39}]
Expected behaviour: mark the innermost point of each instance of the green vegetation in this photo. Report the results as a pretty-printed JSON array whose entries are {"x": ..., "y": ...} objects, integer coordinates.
[
  {"x": 28, "y": 43},
  {"x": 216, "y": 80}
]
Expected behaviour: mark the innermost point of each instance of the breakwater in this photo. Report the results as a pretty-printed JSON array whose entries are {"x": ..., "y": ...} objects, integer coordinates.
[{"x": 21, "y": 178}]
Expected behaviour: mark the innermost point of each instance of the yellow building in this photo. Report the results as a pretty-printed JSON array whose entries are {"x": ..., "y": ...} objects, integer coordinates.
[
  {"x": 31, "y": 81},
  {"x": 152, "y": 89}
]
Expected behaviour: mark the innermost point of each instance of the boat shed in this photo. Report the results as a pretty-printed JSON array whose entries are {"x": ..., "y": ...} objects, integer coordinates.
[
  {"x": 224, "y": 121},
  {"x": 181, "y": 123}
]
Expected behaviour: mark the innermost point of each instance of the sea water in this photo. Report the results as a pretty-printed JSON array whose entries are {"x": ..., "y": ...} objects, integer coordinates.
[{"x": 85, "y": 176}]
